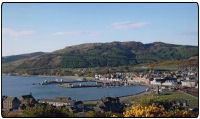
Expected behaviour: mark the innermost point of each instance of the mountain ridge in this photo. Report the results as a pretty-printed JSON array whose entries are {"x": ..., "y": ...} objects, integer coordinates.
[
  {"x": 12, "y": 58},
  {"x": 111, "y": 54}
]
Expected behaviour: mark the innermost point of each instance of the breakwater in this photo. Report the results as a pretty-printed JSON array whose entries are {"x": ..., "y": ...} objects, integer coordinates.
[
  {"x": 59, "y": 82},
  {"x": 97, "y": 84},
  {"x": 80, "y": 83},
  {"x": 11, "y": 84}
]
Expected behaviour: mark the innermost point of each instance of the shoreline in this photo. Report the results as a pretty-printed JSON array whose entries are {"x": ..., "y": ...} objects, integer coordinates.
[
  {"x": 71, "y": 77},
  {"x": 78, "y": 77},
  {"x": 120, "y": 97}
]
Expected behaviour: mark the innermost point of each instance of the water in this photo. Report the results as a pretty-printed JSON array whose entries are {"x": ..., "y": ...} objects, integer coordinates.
[{"x": 17, "y": 86}]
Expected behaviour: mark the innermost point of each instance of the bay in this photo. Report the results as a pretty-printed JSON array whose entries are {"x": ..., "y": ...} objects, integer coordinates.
[{"x": 18, "y": 85}]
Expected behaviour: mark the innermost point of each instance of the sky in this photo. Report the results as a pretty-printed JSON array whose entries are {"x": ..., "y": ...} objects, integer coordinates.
[{"x": 46, "y": 27}]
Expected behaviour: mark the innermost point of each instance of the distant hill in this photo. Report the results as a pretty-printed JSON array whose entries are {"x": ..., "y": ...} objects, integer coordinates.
[
  {"x": 190, "y": 62},
  {"x": 105, "y": 54},
  {"x": 13, "y": 58}
]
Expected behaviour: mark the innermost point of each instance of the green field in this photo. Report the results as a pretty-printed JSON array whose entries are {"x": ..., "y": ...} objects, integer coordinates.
[
  {"x": 144, "y": 99},
  {"x": 170, "y": 67},
  {"x": 163, "y": 97},
  {"x": 90, "y": 103}
]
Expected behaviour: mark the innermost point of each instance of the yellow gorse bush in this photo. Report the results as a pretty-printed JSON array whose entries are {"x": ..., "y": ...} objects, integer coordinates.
[
  {"x": 141, "y": 111},
  {"x": 154, "y": 111}
]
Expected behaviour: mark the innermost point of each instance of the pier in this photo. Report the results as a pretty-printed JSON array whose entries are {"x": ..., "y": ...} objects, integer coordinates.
[
  {"x": 78, "y": 83},
  {"x": 60, "y": 82},
  {"x": 77, "y": 86},
  {"x": 98, "y": 84}
]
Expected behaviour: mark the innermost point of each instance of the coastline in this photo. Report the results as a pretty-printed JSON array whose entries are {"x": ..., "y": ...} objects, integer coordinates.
[
  {"x": 120, "y": 97},
  {"x": 71, "y": 77},
  {"x": 78, "y": 77}
]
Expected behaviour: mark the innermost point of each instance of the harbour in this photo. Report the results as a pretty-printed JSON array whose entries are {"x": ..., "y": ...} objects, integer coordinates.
[
  {"x": 79, "y": 83},
  {"x": 18, "y": 85},
  {"x": 57, "y": 81}
]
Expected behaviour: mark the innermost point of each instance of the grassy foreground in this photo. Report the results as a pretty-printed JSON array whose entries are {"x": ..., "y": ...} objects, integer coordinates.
[
  {"x": 144, "y": 99},
  {"x": 143, "y": 105}
]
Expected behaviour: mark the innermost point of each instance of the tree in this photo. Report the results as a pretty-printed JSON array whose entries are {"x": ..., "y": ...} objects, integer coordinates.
[{"x": 46, "y": 111}]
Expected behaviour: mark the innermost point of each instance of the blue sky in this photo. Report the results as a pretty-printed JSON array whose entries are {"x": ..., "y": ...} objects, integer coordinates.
[{"x": 32, "y": 27}]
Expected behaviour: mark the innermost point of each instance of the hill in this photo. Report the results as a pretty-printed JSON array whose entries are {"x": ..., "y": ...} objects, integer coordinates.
[
  {"x": 13, "y": 58},
  {"x": 190, "y": 62},
  {"x": 104, "y": 54}
]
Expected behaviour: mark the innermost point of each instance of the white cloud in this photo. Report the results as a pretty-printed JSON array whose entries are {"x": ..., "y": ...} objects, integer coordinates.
[
  {"x": 77, "y": 33},
  {"x": 15, "y": 34},
  {"x": 128, "y": 25}
]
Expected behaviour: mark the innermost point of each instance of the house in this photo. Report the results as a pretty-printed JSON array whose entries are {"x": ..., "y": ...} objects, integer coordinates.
[
  {"x": 140, "y": 80},
  {"x": 110, "y": 104},
  {"x": 179, "y": 103},
  {"x": 167, "y": 81},
  {"x": 179, "y": 79},
  {"x": 157, "y": 81},
  {"x": 97, "y": 76},
  {"x": 59, "y": 101},
  {"x": 197, "y": 86},
  {"x": 78, "y": 106},
  {"x": 10, "y": 103},
  {"x": 72, "y": 105},
  {"x": 188, "y": 83},
  {"x": 170, "y": 82},
  {"x": 27, "y": 100}
]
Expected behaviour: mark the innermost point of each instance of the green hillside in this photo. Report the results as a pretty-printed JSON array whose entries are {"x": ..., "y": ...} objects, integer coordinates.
[
  {"x": 13, "y": 58},
  {"x": 105, "y": 54}
]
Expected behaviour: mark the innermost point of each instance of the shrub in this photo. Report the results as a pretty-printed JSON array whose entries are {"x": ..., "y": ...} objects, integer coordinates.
[
  {"x": 155, "y": 111},
  {"x": 11, "y": 115},
  {"x": 46, "y": 111}
]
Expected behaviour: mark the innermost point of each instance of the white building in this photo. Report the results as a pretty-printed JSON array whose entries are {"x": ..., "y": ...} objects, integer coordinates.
[
  {"x": 156, "y": 81},
  {"x": 169, "y": 83},
  {"x": 139, "y": 80},
  {"x": 97, "y": 76},
  {"x": 189, "y": 83},
  {"x": 60, "y": 101}
]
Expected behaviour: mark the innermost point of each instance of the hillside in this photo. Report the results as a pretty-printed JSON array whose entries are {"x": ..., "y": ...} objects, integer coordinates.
[
  {"x": 13, "y": 58},
  {"x": 190, "y": 62},
  {"x": 104, "y": 54}
]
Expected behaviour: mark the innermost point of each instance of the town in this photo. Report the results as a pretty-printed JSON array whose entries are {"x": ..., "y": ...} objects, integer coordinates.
[
  {"x": 15, "y": 105},
  {"x": 157, "y": 81},
  {"x": 166, "y": 80}
]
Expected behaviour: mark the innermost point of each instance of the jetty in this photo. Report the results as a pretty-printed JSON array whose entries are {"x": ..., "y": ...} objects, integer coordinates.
[
  {"x": 45, "y": 82},
  {"x": 98, "y": 84},
  {"x": 80, "y": 83}
]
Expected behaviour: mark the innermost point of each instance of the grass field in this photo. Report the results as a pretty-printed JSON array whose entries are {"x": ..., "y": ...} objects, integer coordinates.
[
  {"x": 167, "y": 96},
  {"x": 170, "y": 67},
  {"x": 90, "y": 103},
  {"x": 145, "y": 98}
]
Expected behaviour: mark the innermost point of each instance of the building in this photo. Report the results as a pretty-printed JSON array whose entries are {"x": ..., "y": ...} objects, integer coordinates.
[
  {"x": 97, "y": 76},
  {"x": 59, "y": 101},
  {"x": 10, "y": 103},
  {"x": 139, "y": 80},
  {"x": 72, "y": 105},
  {"x": 188, "y": 83},
  {"x": 78, "y": 106},
  {"x": 110, "y": 104},
  {"x": 180, "y": 103},
  {"x": 27, "y": 100},
  {"x": 169, "y": 82},
  {"x": 157, "y": 81}
]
